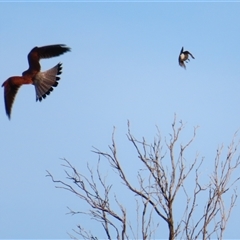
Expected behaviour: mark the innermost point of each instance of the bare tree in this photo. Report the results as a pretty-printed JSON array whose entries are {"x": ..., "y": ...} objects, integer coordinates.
[{"x": 163, "y": 182}]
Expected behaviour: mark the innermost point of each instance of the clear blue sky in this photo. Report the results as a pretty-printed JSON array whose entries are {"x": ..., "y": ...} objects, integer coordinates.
[{"x": 123, "y": 66}]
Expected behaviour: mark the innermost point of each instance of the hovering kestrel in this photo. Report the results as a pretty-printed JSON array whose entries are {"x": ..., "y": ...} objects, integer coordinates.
[
  {"x": 183, "y": 56},
  {"x": 43, "y": 81}
]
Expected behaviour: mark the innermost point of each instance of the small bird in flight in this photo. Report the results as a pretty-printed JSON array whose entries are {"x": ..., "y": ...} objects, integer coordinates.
[
  {"x": 43, "y": 81},
  {"x": 183, "y": 56}
]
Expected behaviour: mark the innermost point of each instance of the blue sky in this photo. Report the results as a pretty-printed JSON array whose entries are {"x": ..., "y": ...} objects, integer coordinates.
[{"x": 123, "y": 66}]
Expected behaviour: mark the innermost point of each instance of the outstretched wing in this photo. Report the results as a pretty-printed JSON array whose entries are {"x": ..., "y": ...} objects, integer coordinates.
[
  {"x": 10, "y": 91},
  {"x": 49, "y": 51},
  {"x": 191, "y": 55},
  {"x": 181, "y": 51},
  {"x": 182, "y": 64}
]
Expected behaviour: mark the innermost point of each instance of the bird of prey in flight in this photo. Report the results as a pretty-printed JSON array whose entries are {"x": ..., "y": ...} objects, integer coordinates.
[
  {"x": 42, "y": 81},
  {"x": 183, "y": 56}
]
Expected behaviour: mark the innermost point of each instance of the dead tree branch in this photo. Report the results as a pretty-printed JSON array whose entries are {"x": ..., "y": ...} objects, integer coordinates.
[{"x": 167, "y": 173}]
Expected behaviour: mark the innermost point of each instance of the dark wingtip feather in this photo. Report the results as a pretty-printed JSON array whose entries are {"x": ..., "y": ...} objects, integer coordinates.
[
  {"x": 55, "y": 84},
  {"x": 49, "y": 91},
  {"x": 64, "y": 46},
  {"x": 59, "y": 68}
]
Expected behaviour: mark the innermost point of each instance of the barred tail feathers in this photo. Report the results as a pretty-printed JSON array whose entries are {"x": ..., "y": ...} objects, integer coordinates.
[{"x": 45, "y": 81}]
